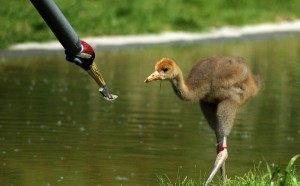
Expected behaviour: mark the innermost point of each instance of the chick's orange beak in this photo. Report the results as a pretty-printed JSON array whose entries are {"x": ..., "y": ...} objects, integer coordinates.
[{"x": 154, "y": 76}]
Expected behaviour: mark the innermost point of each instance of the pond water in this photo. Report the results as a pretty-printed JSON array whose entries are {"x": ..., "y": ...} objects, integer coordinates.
[{"x": 56, "y": 129}]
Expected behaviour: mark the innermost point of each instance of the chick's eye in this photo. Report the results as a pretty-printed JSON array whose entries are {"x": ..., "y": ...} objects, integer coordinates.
[{"x": 165, "y": 69}]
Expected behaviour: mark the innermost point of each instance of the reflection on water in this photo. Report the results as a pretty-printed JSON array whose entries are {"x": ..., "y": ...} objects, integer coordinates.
[{"x": 55, "y": 128}]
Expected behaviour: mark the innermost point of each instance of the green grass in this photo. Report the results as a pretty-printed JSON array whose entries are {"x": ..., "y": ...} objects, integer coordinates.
[
  {"x": 20, "y": 22},
  {"x": 271, "y": 176}
]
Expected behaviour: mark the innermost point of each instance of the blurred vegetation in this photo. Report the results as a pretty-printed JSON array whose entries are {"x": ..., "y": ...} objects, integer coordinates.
[{"x": 20, "y": 22}]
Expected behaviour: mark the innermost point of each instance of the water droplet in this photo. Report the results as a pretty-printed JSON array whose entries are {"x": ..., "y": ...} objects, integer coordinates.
[
  {"x": 33, "y": 82},
  {"x": 47, "y": 184},
  {"x": 59, "y": 123},
  {"x": 16, "y": 150},
  {"x": 132, "y": 174},
  {"x": 46, "y": 81},
  {"x": 121, "y": 178},
  {"x": 68, "y": 147},
  {"x": 82, "y": 129}
]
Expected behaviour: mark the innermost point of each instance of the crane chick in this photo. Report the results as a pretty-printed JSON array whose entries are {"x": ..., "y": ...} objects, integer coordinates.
[{"x": 221, "y": 85}]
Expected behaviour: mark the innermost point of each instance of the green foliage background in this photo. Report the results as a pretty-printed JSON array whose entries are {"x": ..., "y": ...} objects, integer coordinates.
[{"x": 20, "y": 22}]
